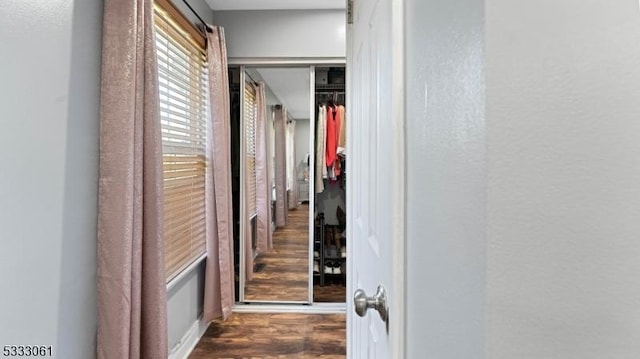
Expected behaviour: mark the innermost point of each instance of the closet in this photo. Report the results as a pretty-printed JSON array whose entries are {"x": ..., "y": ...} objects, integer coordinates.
[{"x": 329, "y": 187}]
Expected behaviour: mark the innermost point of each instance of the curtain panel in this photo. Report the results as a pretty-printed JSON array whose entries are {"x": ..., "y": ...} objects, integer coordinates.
[
  {"x": 263, "y": 195},
  {"x": 131, "y": 280},
  {"x": 280, "y": 126},
  {"x": 292, "y": 166},
  {"x": 219, "y": 294}
]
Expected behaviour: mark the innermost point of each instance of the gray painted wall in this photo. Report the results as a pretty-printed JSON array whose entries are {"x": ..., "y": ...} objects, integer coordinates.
[
  {"x": 200, "y": 6},
  {"x": 185, "y": 304},
  {"x": 523, "y": 179},
  {"x": 50, "y": 70},
  {"x": 563, "y": 123},
  {"x": 284, "y": 33},
  {"x": 446, "y": 179},
  {"x": 302, "y": 140}
]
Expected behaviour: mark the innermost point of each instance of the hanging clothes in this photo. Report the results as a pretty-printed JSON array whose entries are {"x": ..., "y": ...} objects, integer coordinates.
[
  {"x": 322, "y": 157},
  {"x": 338, "y": 121},
  {"x": 320, "y": 146},
  {"x": 342, "y": 140},
  {"x": 333, "y": 126},
  {"x": 331, "y": 152}
]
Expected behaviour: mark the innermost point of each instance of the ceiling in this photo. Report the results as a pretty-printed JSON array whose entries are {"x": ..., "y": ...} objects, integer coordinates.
[
  {"x": 291, "y": 86},
  {"x": 275, "y": 4}
]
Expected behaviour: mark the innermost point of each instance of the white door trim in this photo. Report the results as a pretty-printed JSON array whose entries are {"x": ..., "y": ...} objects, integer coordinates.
[{"x": 398, "y": 289}]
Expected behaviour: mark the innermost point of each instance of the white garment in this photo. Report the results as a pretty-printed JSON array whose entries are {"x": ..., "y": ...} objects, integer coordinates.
[{"x": 321, "y": 135}]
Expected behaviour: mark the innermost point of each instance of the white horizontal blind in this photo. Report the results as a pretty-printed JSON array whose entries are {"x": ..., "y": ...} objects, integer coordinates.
[
  {"x": 182, "y": 74},
  {"x": 250, "y": 118}
]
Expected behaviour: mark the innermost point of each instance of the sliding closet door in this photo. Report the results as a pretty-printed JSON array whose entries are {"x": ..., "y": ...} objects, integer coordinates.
[{"x": 275, "y": 104}]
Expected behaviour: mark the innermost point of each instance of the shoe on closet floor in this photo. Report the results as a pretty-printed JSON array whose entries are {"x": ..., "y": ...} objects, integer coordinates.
[
  {"x": 336, "y": 270},
  {"x": 328, "y": 269}
]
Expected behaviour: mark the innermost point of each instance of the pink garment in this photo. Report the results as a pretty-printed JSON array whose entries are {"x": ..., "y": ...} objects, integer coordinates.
[
  {"x": 342, "y": 135},
  {"x": 332, "y": 138}
]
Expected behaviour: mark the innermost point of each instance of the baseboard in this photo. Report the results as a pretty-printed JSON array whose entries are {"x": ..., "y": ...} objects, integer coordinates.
[{"x": 189, "y": 341}]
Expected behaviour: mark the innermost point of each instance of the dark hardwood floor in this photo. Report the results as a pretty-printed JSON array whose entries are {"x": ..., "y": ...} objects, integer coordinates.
[
  {"x": 286, "y": 269},
  {"x": 259, "y": 336},
  {"x": 329, "y": 293},
  {"x": 285, "y": 276}
]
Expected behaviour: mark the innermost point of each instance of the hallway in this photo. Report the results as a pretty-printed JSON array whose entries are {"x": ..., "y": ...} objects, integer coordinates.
[
  {"x": 282, "y": 335},
  {"x": 285, "y": 276}
]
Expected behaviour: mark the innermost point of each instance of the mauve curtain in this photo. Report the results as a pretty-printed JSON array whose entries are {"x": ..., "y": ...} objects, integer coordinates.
[
  {"x": 131, "y": 281},
  {"x": 263, "y": 190},
  {"x": 280, "y": 126},
  {"x": 219, "y": 277},
  {"x": 292, "y": 167},
  {"x": 248, "y": 238}
]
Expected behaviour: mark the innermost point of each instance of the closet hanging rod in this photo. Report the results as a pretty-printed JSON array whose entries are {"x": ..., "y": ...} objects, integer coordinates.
[{"x": 204, "y": 24}]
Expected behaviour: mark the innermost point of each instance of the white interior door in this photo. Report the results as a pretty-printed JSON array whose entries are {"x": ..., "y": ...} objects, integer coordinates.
[{"x": 373, "y": 179}]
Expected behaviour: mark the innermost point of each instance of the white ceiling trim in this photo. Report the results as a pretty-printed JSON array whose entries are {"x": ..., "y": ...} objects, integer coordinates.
[{"x": 276, "y": 4}]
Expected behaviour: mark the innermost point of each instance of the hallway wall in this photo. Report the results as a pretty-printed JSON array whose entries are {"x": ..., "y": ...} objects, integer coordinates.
[
  {"x": 283, "y": 33},
  {"x": 446, "y": 179},
  {"x": 563, "y": 130},
  {"x": 50, "y": 71},
  {"x": 523, "y": 185}
]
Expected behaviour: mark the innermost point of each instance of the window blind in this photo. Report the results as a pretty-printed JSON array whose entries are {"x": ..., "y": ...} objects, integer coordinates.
[
  {"x": 182, "y": 75},
  {"x": 250, "y": 119}
]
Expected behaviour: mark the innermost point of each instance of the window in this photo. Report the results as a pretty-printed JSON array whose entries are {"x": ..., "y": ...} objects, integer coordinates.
[
  {"x": 250, "y": 119},
  {"x": 182, "y": 75}
]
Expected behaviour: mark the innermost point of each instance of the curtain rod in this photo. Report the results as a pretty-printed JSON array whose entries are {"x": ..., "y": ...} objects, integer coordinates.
[{"x": 206, "y": 27}]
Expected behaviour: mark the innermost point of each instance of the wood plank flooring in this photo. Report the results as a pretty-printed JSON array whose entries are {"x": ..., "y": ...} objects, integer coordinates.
[
  {"x": 286, "y": 273},
  {"x": 283, "y": 335},
  {"x": 330, "y": 293}
]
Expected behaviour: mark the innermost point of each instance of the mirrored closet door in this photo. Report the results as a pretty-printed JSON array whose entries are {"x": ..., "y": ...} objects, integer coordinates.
[
  {"x": 290, "y": 236},
  {"x": 274, "y": 236}
]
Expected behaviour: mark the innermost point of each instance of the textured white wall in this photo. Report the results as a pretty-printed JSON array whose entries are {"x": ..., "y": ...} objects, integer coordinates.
[
  {"x": 49, "y": 98},
  {"x": 446, "y": 179},
  {"x": 284, "y": 33},
  {"x": 563, "y": 122}
]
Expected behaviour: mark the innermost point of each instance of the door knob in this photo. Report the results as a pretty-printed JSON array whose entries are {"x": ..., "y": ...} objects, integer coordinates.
[{"x": 378, "y": 302}]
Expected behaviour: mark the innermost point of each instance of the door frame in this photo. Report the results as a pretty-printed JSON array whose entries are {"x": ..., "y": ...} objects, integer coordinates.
[
  {"x": 397, "y": 306},
  {"x": 262, "y": 306}
]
